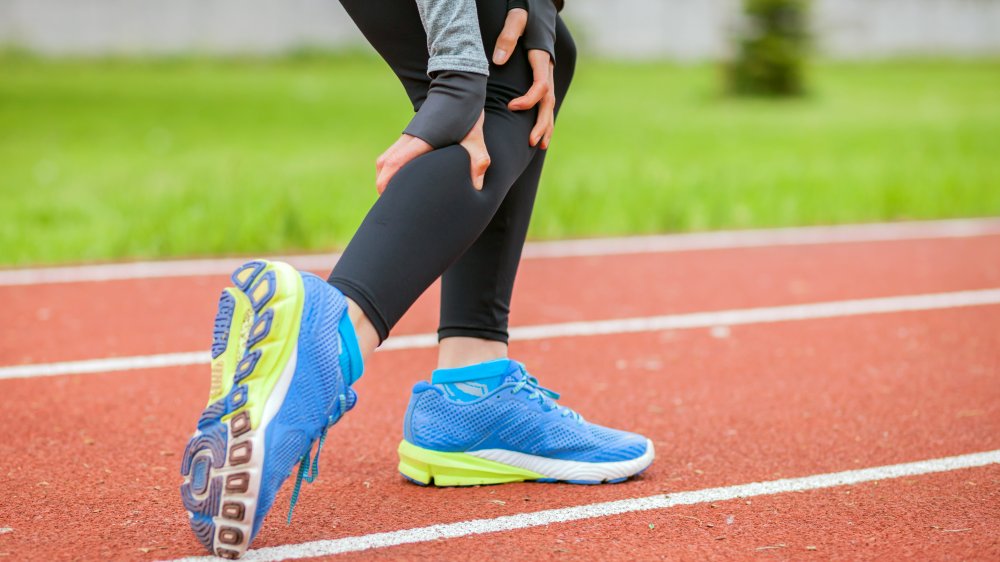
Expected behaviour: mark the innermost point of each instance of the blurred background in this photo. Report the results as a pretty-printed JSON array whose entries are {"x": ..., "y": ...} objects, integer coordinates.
[{"x": 147, "y": 129}]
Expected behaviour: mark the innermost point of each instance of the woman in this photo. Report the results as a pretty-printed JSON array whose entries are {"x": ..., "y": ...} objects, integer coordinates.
[{"x": 456, "y": 192}]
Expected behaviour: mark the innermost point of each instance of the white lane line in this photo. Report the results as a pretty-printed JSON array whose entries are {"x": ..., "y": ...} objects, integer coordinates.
[
  {"x": 796, "y": 236},
  {"x": 607, "y": 509},
  {"x": 714, "y": 319},
  {"x": 958, "y": 228},
  {"x": 111, "y": 364}
]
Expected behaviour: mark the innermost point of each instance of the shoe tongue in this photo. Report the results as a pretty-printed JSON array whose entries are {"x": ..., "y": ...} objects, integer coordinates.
[
  {"x": 474, "y": 381},
  {"x": 515, "y": 373}
]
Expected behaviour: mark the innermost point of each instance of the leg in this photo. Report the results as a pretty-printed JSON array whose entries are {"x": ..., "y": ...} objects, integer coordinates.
[
  {"x": 284, "y": 354},
  {"x": 483, "y": 419},
  {"x": 476, "y": 290},
  {"x": 430, "y": 214}
]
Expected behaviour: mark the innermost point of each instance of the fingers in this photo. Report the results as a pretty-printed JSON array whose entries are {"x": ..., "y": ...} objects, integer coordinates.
[
  {"x": 541, "y": 133},
  {"x": 530, "y": 98},
  {"x": 542, "y": 94},
  {"x": 404, "y": 150},
  {"x": 380, "y": 162},
  {"x": 548, "y": 110},
  {"x": 479, "y": 159},
  {"x": 513, "y": 28},
  {"x": 479, "y": 163},
  {"x": 540, "y": 62}
]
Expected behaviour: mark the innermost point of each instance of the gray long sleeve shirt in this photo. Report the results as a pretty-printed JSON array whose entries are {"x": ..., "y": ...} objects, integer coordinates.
[{"x": 453, "y": 40}]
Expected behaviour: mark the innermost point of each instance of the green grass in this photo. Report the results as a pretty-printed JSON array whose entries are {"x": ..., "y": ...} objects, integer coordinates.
[{"x": 123, "y": 159}]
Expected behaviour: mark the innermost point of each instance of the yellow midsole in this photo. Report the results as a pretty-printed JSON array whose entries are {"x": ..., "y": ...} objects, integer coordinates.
[
  {"x": 277, "y": 346},
  {"x": 456, "y": 469}
]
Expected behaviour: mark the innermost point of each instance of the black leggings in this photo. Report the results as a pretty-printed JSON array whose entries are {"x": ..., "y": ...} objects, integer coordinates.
[{"x": 430, "y": 221}]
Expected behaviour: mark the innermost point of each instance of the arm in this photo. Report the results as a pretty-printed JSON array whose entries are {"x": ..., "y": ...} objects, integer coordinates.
[
  {"x": 536, "y": 21},
  {"x": 540, "y": 33},
  {"x": 458, "y": 70},
  {"x": 453, "y": 110}
]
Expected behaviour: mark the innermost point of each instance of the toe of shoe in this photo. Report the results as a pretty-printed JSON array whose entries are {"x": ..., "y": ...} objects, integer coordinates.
[{"x": 620, "y": 446}]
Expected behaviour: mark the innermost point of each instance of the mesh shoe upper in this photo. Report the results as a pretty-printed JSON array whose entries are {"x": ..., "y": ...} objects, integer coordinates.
[
  {"x": 516, "y": 416},
  {"x": 312, "y": 397}
]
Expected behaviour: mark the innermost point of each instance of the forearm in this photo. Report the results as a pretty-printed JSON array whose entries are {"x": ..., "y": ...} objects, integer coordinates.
[
  {"x": 541, "y": 30},
  {"x": 458, "y": 69},
  {"x": 454, "y": 101}
]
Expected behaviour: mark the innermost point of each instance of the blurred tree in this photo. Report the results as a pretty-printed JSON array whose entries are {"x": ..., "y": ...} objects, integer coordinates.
[{"x": 772, "y": 47}]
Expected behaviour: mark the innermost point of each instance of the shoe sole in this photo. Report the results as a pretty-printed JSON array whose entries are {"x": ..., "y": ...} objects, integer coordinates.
[
  {"x": 496, "y": 466},
  {"x": 254, "y": 349}
]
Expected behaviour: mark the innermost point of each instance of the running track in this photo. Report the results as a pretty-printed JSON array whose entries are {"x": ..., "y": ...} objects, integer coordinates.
[{"x": 870, "y": 423}]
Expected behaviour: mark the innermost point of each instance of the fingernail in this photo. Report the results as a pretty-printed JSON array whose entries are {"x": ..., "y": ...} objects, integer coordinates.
[{"x": 498, "y": 56}]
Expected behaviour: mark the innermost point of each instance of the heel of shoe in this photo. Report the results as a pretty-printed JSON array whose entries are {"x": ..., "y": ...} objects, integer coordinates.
[{"x": 425, "y": 467}]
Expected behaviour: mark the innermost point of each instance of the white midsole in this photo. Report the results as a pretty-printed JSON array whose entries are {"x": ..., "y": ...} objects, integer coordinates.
[
  {"x": 277, "y": 396},
  {"x": 255, "y": 467},
  {"x": 570, "y": 470}
]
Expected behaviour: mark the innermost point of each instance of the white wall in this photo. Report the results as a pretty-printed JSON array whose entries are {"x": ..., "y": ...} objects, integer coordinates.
[
  {"x": 856, "y": 28},
  {"x": 170, "y": 26},
  {"x": 680, "y": 29}
]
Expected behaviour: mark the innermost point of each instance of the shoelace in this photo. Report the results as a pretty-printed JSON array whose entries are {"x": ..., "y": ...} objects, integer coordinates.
[
  {"x": 544, "y": 396},
  {"x": 309, "y": 468}
]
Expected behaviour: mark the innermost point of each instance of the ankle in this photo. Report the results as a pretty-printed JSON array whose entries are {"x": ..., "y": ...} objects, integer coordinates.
[
  {"x": 457, "y": 352},
  {"x": 365, "y": 331}
]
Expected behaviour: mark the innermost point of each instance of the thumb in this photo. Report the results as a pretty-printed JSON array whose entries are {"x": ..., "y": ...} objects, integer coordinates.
[
  {"x": 513, "y": 28},
  {"x": 479, "y": 164}
]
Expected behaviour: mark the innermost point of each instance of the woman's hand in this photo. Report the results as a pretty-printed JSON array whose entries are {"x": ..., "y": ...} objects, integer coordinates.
[
  {"x": 396, "y": 156},
  {"x": 542, "y": 91},
  {"x": 408, "y": 147},
  {"x": 479, "y": 159}
]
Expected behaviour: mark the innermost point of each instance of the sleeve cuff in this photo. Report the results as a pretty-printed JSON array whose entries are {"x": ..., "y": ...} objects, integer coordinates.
[
  {"x": 444, "y": 63},
  {"x": 453, "y": 104},
  {"x": 541, "y": 30}
]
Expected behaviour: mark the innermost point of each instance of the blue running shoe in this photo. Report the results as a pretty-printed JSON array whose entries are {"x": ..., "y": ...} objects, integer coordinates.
[
  {"x": 284, "y": 355},
  {"x": 492, "y": 423}
]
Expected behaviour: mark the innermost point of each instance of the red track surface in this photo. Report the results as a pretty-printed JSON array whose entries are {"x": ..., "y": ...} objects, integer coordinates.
[
  {"x": 88, "y": 463},
  {"x": 83, "y": 321}
]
